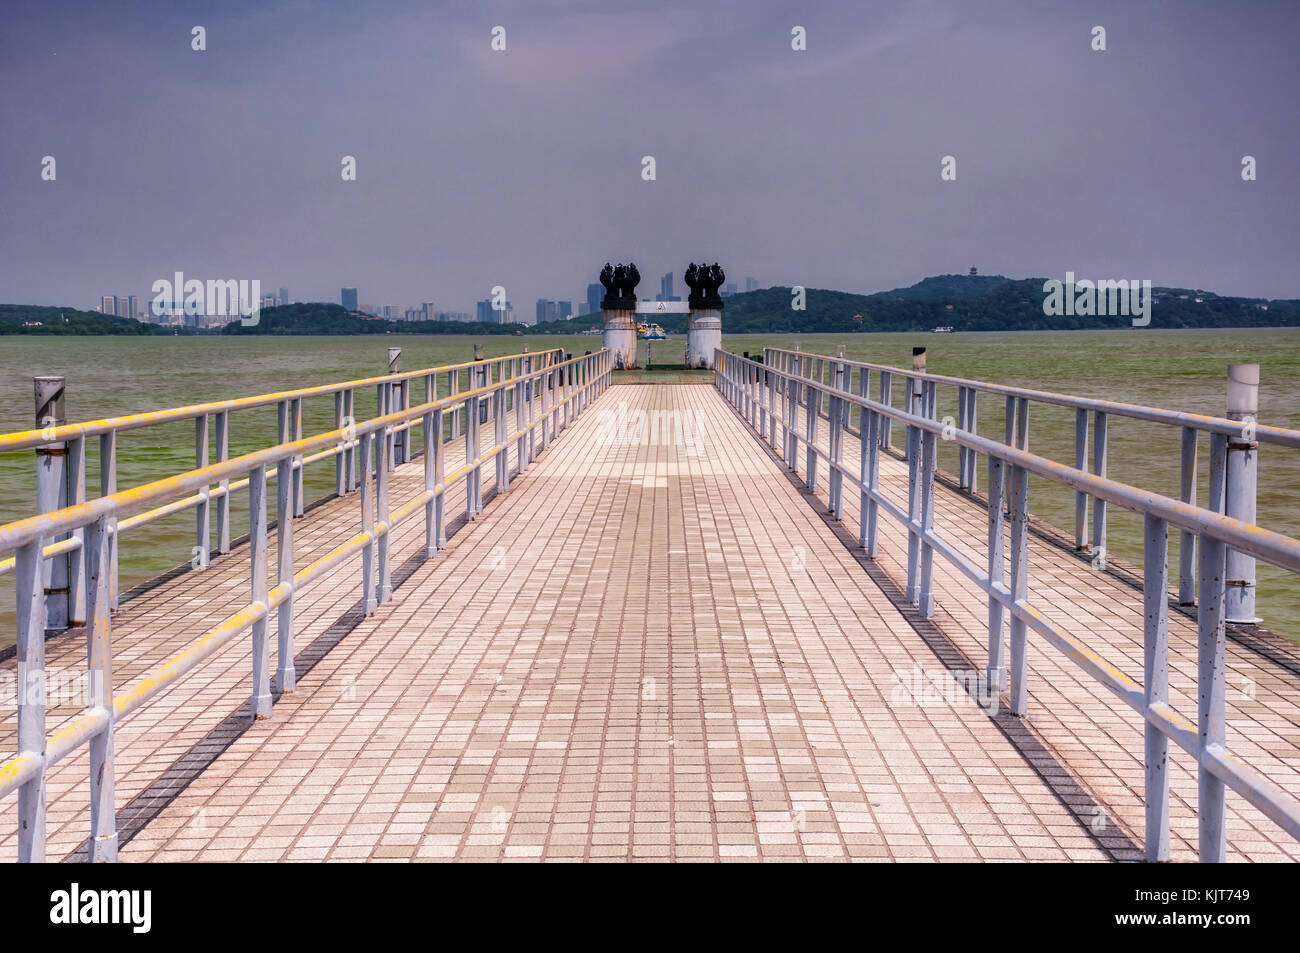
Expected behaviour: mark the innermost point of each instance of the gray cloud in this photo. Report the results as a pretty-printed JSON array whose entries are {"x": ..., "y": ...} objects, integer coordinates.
[{"x": 523, "y": 168}]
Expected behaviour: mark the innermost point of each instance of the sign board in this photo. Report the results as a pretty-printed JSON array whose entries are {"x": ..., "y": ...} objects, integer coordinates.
[{"x": 663, "y": 307}]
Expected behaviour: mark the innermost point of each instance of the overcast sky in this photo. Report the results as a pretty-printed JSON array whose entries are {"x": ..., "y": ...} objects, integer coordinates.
[{"x": 523, "y": 168}]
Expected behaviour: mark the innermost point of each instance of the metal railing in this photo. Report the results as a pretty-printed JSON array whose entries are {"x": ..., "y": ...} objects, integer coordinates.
[
  {"x": 61, "y": 456},
  {"x": 772, "y": 398},
  {"x": 563, "y": 390},
  {"x": 1240, "y": 427}
]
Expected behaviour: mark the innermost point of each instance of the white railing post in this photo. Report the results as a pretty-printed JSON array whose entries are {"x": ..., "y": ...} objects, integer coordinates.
[
  {"x": 349, "y": 425},
  {"x": 1242, "y": 478},
  {"x": 286, "y": 678},
  {"x": 471, "y": 457},
  {"x": 77, "y": 558},
  {"x": 30, "y": 593},
  {"x": 202, "y": 514},
  {"x": 925, "y": 597},
  {"x": 107, "y": 487},
  {"x": 260, "y": 702},
  {"x": 1187, "y": 539},
  {"x": 382, "y": 517},
  {"x": 886, "y": 398},
  {"x": 51, "y": 495},
  {"x": 365, "y": 454},
  {"x": 996, "y": 675},
  {"x": 102, "y": 845},
  {"x": 1212, "y": 556},
  {"x": 297, "y": 476},
  {"x": 499, "y": 441},
  {"x": 1099, "y": 505},
  {"x": 340, "y": 458},
  {"x": 1155, "y": 684},
  {"x": 1080, "y": 463}
]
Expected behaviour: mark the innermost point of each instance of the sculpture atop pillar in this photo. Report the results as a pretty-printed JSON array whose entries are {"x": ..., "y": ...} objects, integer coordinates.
[
  {"x": 619, "y": 305},
  {"x": 620, "y": 283},
  {"x": 704, "y": 282},
  {"x": 704, "y": 326}
]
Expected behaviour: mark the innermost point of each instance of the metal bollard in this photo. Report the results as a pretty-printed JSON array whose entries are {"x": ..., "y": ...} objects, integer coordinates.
[{"x": 1242, "y": 476}]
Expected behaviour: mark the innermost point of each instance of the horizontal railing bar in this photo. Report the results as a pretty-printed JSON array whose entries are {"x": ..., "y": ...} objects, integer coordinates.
[
  {"x": 1277, "y": 804},
  {"x": 1247, "y": 538},
  {"x": 18, "y": 770},
  {"x": 291, "y": 457},
  {"x": 1281, "y": 436},
  {"x": 1269, "y": 798},
  {"x": 21, "y": 532},
  {"x": 12, "y": 772},
  {"x": 73, "y": 544},
  {"x": 75, "y": 733},
  {"x": 27, "y": 439}
]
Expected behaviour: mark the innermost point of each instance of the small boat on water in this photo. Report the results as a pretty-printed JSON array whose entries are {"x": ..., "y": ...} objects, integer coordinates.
[
  {"x": 945, "y": 329},
  {"x": 651, "y": 332}
]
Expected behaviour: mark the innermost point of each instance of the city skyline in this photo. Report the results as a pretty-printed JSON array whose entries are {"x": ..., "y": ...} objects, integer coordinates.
[{"x": 1123, "y": 162}]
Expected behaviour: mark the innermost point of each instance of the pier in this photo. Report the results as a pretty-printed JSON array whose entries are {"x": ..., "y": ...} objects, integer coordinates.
[{"x": 549, "y": 616}]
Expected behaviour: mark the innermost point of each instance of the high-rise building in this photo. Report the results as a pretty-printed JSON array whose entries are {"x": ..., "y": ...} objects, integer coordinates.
[
  {"x": 426, "y": 311},
  {"x": 349, "y": 298},
  {"x": 484, "y": 310},
  {"x": 108, "y": 304},
  {"x": 594, "y": 293},
  {"x": 666, "y": 288},
  {"x": 751, "y": 284},
  {"x": 284, "y": 296},
  {"x": 563, "y": 310},
  {"x": 542, "y": 307},
  {"x": 132, "y": 306},
  {"x": 729, "y": 290}
]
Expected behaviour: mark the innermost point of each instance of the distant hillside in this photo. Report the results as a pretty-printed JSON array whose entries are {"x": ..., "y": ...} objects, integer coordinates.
[
  {"x": 321, "y": 318},
  {"x": 39, "y": 319},
  {"x": 947, "y": 288},
  {"x": 1008, "y": 305},
  {"x": 962, "y": 302}
]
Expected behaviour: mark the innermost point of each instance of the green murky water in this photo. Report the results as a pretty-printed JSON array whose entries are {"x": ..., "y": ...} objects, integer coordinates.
[{"x": 1182, "y": 370}]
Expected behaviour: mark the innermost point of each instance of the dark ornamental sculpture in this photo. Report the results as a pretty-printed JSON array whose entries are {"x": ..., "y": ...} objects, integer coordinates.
[
  {"x": 704, "y": 282},
  {"x": 620, "y": 283}
]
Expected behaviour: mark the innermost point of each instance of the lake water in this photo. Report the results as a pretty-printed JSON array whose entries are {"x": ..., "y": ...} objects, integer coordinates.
[{"x": 1183, "y": 370}]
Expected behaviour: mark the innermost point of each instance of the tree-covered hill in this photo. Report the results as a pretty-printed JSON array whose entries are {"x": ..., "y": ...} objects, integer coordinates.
[
  {"x": 1006, "y": 305},
  {"x": 40, "y": 319}
]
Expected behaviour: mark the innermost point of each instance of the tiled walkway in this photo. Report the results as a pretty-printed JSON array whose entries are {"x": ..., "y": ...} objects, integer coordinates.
[{"x": 652, "y": 647}]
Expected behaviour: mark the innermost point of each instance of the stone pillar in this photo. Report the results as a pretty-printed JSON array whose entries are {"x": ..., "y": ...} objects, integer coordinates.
[
  {"x": 620, "y": 337},
  {"x": 703, "y": 336}
]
